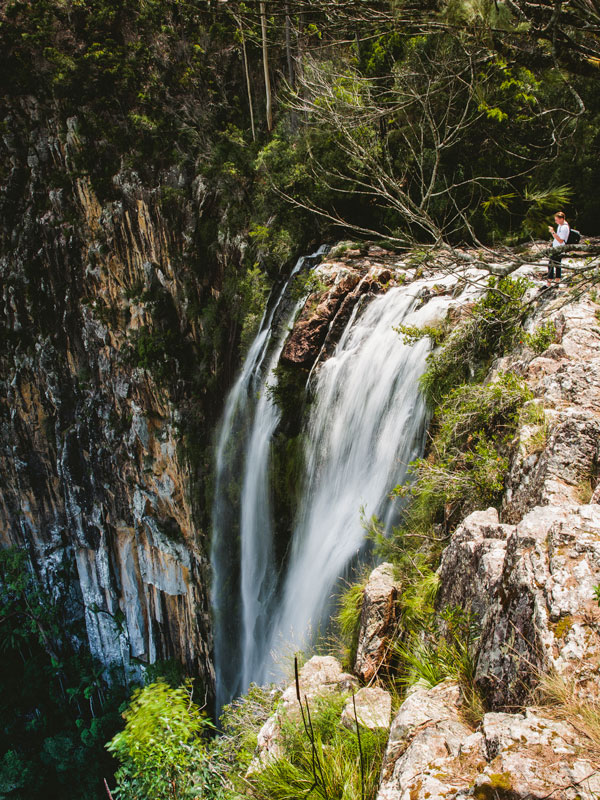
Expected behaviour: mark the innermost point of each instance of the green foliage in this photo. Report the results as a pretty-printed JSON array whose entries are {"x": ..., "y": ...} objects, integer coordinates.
[
  {"x": 347, "y": 620},
  {"x": 542, "y": 204},
  {"x": 241, "y": 722},
  {"x": 415, "y": 557},
  {"x": 289, "y": 391},
  {"x": 467, "y": 463},
  {"x": 154, "y": 350},
  {"x": 542, "y": 337},
  {"x": 533, "y": 417},
  {"x": 56, "y": 711},
  {"x": 307, "y": 283},
  {"x": 441, "y": 650},
  {"x": 489, "y": 330},
  {"x": 411, "y": 334},
  {"x": 161, "y": 750},
  {"x": 339, "y": 775},
  {"x": 254, "y": 290}
]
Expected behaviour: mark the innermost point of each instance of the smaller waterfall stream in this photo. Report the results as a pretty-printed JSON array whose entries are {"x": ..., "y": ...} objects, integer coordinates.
[{"x": 241, "y": 549}]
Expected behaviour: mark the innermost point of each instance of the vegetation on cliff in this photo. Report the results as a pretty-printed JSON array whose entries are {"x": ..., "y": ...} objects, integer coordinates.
[
  {"x": 56, "y": 711},
  {"x": 162, "y": 163}
]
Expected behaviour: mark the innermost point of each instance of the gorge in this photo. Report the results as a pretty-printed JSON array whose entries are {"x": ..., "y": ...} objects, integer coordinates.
[{"x": 218, "y": 454}]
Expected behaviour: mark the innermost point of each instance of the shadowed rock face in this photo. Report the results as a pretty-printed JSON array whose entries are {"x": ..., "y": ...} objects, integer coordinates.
[
  {"x": 326, "y": 314},
  {"x": 94, "y": 483}
]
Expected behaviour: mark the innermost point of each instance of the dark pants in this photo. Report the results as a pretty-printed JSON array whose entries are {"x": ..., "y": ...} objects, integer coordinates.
[{"x": 554, "y": 263}]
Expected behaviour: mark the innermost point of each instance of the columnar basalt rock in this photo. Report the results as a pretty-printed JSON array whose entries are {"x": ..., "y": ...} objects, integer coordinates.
[{"x": 94, "y": 482}]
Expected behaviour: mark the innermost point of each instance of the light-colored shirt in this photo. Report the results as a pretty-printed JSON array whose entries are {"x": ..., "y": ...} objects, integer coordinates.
[{"x": 563, "y": 232}]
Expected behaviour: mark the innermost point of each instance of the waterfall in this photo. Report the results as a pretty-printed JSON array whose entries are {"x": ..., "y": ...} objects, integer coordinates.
[
  {"x": 241, "y": 545},
  {"x": 366, "y": 425}
]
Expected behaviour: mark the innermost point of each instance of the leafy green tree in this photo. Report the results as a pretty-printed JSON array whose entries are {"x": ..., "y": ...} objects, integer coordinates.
[{"x": 162, "y": 747}]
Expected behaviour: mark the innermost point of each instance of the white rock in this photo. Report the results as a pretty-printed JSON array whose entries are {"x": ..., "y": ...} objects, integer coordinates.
[{"x": 373, "y": 709}]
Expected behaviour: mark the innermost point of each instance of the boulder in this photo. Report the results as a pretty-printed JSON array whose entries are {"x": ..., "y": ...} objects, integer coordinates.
[
  {"x": 320, "y": 675},
  {"x": 304, "y": 342},
  {"x": 433, "y": 755},
  {"x": 531, "y": 589},
  {"x": 558, "y": 473},
  {"x": 472, "y": 564},
  {"x": 373, "y": 709},
  {"x": 377, "y": 621},
  {"x": 543, "y": 614},
  {"x": 426, "y": 743}
]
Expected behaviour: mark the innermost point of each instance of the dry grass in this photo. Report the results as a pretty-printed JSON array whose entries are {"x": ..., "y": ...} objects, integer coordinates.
[{"x": 559, "y": 698}]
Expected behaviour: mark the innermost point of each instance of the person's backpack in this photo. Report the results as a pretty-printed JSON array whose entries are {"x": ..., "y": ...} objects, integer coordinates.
[{"x": 574, "y": 237}]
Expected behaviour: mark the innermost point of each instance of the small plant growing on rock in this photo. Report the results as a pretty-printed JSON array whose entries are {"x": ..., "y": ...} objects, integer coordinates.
[
  {"x": 533, "y": 427},
  {"x": 412, "y": 333},
  {"x": 542, "y": 337},
  {"x": 348, "y": 620},
  {"x": 467, "y": 461},
  {"x": 489, "y": 330}
]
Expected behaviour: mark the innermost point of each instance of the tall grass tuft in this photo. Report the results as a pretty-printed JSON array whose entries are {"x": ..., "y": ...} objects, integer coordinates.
[{"x": 338, "y": 776}]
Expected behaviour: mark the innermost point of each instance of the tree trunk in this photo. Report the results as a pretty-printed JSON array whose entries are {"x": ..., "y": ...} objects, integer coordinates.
[
  {"x": 288, "y": 46},
  {"x": 247, "y": 74},
  {"x": 263, "y": 26}
]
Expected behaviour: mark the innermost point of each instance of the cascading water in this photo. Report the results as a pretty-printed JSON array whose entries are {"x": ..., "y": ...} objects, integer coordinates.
[
  {"x": 241, "y": 549},
  {"x": 366, "y": 425}
]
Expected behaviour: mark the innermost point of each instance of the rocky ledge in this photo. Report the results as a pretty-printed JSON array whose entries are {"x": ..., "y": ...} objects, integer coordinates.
[{"x": 528, "y": 575}]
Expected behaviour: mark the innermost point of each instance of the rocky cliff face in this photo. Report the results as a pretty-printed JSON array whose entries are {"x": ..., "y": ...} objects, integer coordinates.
[
  {"x": 528, "y": 575},
  {"x": 102, "y": 379},
  {"x": 526, "y": 572}
]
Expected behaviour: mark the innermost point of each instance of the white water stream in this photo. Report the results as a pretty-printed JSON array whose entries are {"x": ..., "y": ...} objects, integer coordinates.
[
  {"x": 241, "y": 547},
  {"x": 366, "y": 425}
]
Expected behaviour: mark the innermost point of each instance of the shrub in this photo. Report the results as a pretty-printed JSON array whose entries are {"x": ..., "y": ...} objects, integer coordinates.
[
  {"x": 490, "y": 328},
  {"x": 241, "y": 722},
  {"x": 348, "y": 620},
  {"x": 442, "y": 649},
  {"x": 467, "y": 462},
  {"x": 542, "y": 337},
  {"x": 330, "y": 764},
  {"x": 445, "y": 652},
  {"x": 161, "y": 749}
]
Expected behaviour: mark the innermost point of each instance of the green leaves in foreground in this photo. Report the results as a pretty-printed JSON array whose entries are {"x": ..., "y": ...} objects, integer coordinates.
[{"x": 161, "y": 750}]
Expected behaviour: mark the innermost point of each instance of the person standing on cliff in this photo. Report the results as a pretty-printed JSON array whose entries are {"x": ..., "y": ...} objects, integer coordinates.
[{"x": 559, "y": 239}]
